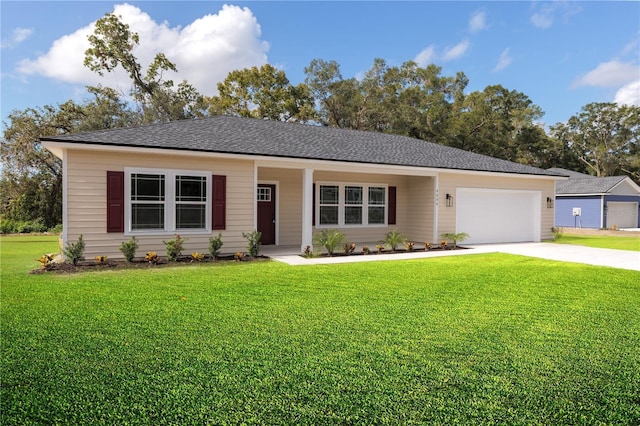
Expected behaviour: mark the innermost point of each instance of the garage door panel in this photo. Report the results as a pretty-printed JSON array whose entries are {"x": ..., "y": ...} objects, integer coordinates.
[
  {"x": 622, "y": 214},
  {"x": 496, "y": 216}
]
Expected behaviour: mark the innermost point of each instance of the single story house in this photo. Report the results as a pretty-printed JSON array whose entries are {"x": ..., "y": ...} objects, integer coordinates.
[
  {"x": 585, "y": 201},
  {"x": 231, "y": 175}
]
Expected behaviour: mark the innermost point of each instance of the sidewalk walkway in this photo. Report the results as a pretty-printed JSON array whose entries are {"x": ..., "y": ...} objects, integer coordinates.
[{"x": 622, "y": 259}]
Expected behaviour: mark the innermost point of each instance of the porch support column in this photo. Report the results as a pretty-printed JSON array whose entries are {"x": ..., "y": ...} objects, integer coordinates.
[{"x": 307, "y": 209}]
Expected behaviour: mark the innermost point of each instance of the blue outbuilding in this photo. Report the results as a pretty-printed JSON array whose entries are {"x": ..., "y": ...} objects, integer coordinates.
[{"x": 585, "y": 201}]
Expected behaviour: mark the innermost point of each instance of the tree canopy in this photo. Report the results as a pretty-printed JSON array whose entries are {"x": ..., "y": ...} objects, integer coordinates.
[{"x": 420, "y": 102}]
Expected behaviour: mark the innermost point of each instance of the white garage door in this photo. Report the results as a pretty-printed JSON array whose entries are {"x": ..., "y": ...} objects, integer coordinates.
[
  {"x": 498, "y": 216},
  {"x": 622, "y": 215}
]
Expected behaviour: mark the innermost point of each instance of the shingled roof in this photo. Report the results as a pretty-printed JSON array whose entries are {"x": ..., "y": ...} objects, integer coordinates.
[
  {"x": 247, "y": 136},
  {"x": 589, "y": 185}
]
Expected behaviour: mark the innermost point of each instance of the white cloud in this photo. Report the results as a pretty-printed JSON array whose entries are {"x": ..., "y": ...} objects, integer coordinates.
[
  {"x": 426, "y": 57},
  {"x": 204, "y": 51},
  {"x": 545, "y": 15},
  {"x": 504, "y": 61},
  {"x": 478, "y": 22},
  {"x": 629, "y": 94},
  {"x": 609, "y": 74},
  {"x": 18, "y": 36},
  {"x": 456, "y": 51}
]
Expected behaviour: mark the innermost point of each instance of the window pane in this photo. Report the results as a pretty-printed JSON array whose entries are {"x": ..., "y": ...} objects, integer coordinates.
[
  {"x": 328, "y": 194},
  {"x": 328, "y": 215},
  {"x": 191, "y": 188},
  {"x": 376, "y": 195},
  {"x": 353, "y": 195},
  {"x": 189, "y": 216},
  {"x": 376, "y": 215},
  {"x": 147, "y": 216},
  {"x": 353, "y": 215},
  {"x": 147, "y": 187},
  {"x": 264, "y": 193}
]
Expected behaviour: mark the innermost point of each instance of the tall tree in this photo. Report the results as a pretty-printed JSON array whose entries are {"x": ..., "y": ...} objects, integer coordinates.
[
  {"x": 605, "y": 138},
  {"x": 31, "y": 178},
  {"x": 263, "y": 92},
  {"x": 113, "y": 44},
  {"x": 492, "y": 122}
]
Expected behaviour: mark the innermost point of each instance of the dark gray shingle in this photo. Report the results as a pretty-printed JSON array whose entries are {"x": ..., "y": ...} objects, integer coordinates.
[{"x": 235, "y": 135}]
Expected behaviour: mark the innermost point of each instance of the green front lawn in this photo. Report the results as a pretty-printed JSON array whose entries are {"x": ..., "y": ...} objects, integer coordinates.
[
  {"x": 475, "y": 339},
  {"x": 602, "y": 241}
]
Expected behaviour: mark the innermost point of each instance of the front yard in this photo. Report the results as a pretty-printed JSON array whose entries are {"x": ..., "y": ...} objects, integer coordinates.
[{"x": 475, "y": 339}]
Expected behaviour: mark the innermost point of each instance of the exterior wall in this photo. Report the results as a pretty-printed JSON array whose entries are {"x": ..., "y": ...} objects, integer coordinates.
[
  {"x": 420, "y": 209},
  {"x": 591, "y": 216},
  {"x": 448, "y": 182},
  {"x": 86, "y": 197}
]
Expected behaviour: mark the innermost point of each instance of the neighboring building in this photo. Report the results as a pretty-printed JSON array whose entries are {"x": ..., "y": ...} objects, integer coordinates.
[
  {"x": 232, "y": 175},
  {"x": 584, "y": 201}
]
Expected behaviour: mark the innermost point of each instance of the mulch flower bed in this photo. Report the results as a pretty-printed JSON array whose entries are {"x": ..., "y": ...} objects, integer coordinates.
[
  {"x": 138, "y": 263},
  {"x": 375, "y": 252}
]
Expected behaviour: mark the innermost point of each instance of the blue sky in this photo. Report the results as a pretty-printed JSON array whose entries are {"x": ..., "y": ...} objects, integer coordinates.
[{"x": 563, "y": 55}]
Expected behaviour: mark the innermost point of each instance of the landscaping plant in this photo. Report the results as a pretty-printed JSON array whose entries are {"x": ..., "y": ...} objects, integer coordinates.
[
  {"x": 215, "y": 244},
  {"x": 74, "y": 252},
  {"x": 460, "y": 236},
  {"x": 174, "y": 248},
  {"x": 330, "y": 239},
  {"x": 253, "y": 239},
  {"x": 393, "y": 239},
  {"x": 128, "y": 249}
]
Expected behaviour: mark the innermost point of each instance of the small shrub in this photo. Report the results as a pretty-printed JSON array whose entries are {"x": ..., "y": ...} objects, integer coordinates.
[
  {"x": 460, "y": 236},
  {"x": 151, "y": 257},
  {"x": 444, "y": 245},
  {"x": 557, "y": 233},
  {"x": 56, "y": 229},
  {"x": 74, "y": 252},
  {"x": 238, "y": 256},
  {"x": 330, "y": 239},
  {"x": 427, "y": 246},
  {"x": 128, "y": 248},
  {"x": 197, "y": 257},
  {"x": 101, "y": 259},
  {"x": 366, "y": 250},
  {"x": 349, "y": 248},
  {"x": 253, "y": 239},
  {"x": 174, "y": 247},
  {"x": 46, "y": 259},
  {"x": 409, "y": 245},
  {"x": 380, "y": 248},
  {"x": 393, "y": 239},
  {"x": 215, "y": 244},
  {"x": 308, "y": 252}
]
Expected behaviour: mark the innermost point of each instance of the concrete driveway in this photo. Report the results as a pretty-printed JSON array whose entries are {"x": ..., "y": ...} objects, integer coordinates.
[{"x": 622, "y": 259}]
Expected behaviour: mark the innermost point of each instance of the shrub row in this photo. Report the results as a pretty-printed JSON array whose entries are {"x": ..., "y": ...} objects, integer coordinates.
[{"x": 10, "y": 226}]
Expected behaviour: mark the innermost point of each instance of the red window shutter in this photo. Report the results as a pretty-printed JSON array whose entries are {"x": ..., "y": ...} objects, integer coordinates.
[
  {"x": 219, "y": 202},
  {"x": 392, "y": 206},
  {"x": 115, "y": 201}
]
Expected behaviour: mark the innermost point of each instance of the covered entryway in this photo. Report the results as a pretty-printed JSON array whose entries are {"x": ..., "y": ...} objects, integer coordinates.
[
  {"x": 622, "y": 214},
  {"x": 498, "y": 215},
  {"x": 266, "y": 199}
]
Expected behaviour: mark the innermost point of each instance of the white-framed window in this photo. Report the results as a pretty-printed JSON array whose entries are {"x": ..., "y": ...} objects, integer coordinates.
[
  {"x": 167, "y": 201},
  {"x": 347, "y": 204}
]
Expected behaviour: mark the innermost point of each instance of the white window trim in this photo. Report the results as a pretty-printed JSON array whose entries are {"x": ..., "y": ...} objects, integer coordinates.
[
  {"x": 169, "y": 201},
  {"x": 365, "y": 205}
]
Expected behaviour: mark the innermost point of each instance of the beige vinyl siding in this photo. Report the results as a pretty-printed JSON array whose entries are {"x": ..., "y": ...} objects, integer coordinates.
[
  {"x": 86, "y": 197},
  {"x": 420, "y": 209},
  {"x": 448, "y": 182}
]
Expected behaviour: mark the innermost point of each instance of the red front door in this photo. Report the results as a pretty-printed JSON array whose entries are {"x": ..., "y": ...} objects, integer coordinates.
[{"x": 267, "y": 213}]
